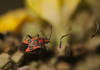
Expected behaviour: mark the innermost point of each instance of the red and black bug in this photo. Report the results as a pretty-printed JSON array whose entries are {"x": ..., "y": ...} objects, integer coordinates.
[{"x": 33, "y": 44}]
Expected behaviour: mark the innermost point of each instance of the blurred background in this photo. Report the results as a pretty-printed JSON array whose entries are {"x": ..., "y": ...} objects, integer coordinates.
[
  {"x": 75, "y": 37},
  {"x": 6, "y": 5}
]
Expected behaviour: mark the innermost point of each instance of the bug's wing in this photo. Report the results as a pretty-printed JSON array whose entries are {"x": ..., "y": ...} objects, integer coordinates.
[
  {"x": 25, "y": 41},
  {"x": 28, "y": 50},
  {"x": 36, "y": 47}
]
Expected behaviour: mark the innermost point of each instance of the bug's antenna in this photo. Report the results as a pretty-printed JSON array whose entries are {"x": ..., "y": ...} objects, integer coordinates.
[
  {"x": 38, "y": 35},
  {"x": 62, "y": 38},
  {"x": 42, "y": 33},
  {"x": 50, "y": 32},
  {"x": 29, "y": 36},
  {"x": 97, "y": 28}
]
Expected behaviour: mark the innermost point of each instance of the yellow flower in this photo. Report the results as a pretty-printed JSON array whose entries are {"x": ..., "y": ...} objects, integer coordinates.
[
  {"x": 54, "y": 11},
  {"x": 12, "y": 21}
]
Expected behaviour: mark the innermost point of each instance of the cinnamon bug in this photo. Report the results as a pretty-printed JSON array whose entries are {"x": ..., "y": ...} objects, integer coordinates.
[{"x": 36, "y": 43}]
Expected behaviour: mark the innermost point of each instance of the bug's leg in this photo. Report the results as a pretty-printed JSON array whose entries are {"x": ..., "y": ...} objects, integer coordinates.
[
  {"x": 38, "y": 35},
  {"x": 44, "y": 36},
  {"x": 50, "y": 32},
  {"x": 40, "y": 52},
  {"x": 11, "y": 65}
]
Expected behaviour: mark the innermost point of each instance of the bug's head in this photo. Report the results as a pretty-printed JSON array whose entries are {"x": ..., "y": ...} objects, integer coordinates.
[
  {"x": 47, "y": 41},
  {"x": 25, "y": 41}
]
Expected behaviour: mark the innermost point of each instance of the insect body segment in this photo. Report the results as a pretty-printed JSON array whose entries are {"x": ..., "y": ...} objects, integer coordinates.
[{"x": 35, "y": 43}]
